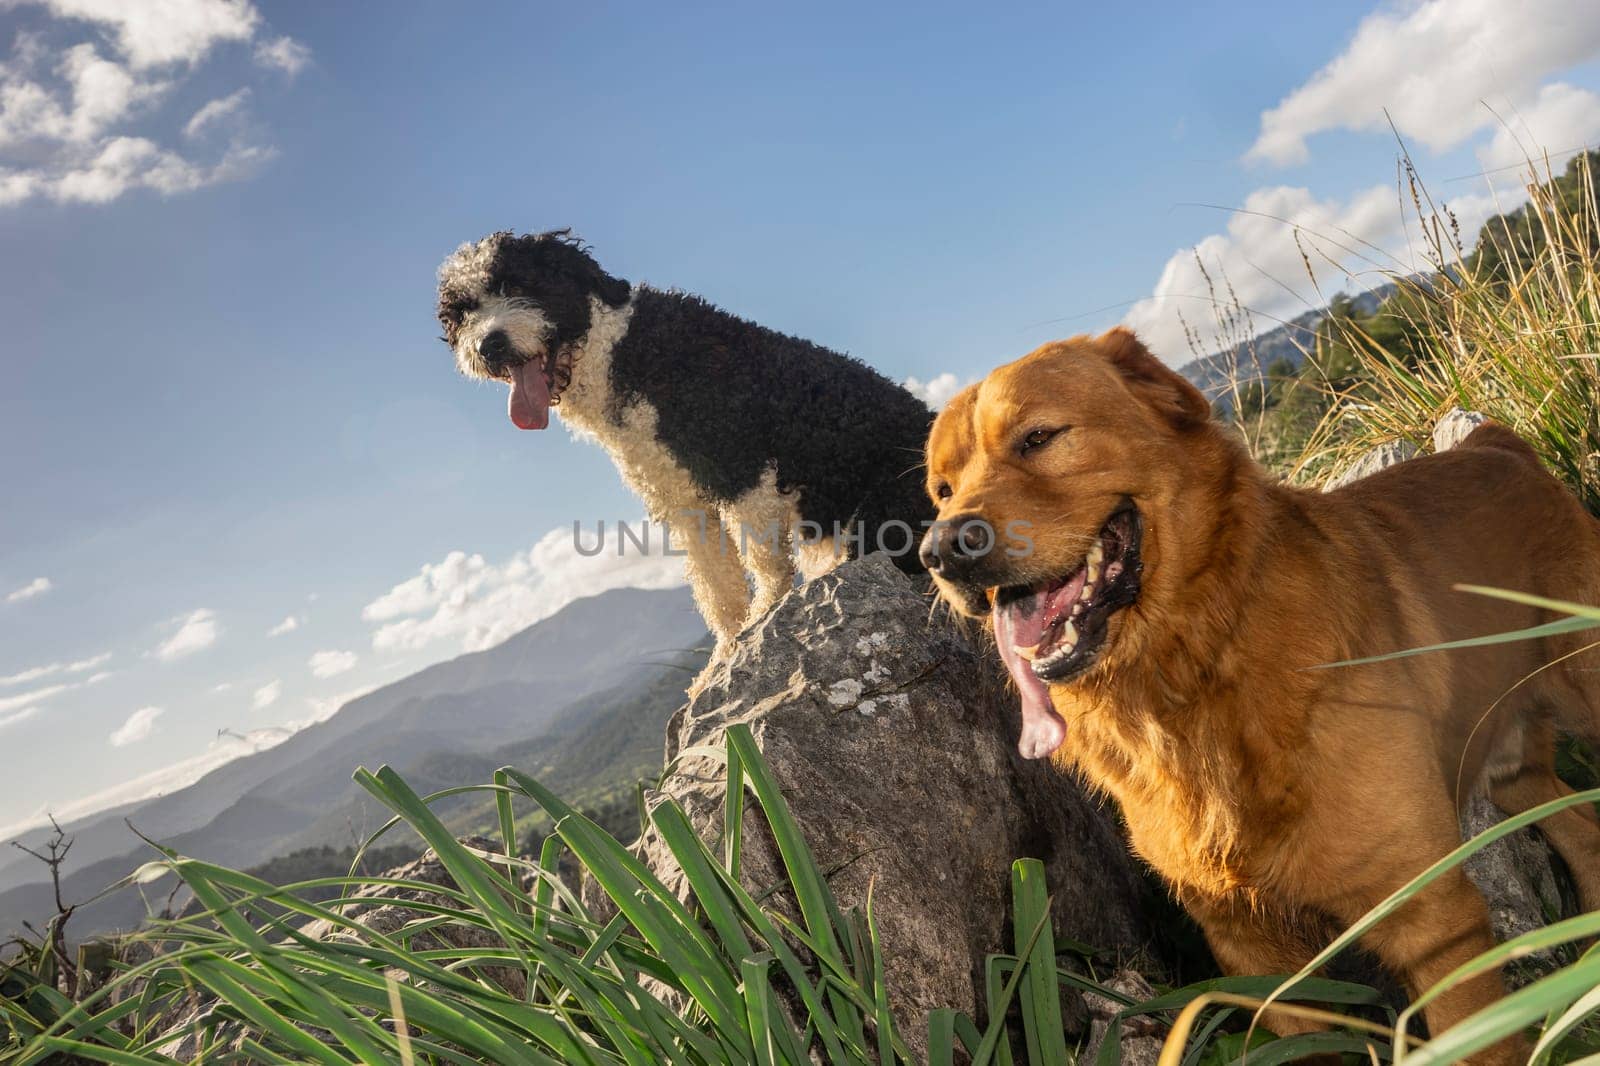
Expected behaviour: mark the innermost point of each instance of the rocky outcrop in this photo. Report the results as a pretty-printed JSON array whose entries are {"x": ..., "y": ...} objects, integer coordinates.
[
  {"x": 1516, "y": 874},
  {"x": 1384, "y": 455},
  {"x": 895, "y": 743}
]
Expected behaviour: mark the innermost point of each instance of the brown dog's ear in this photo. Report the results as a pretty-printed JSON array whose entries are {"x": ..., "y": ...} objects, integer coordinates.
[{"x": 1162, "y": 387}]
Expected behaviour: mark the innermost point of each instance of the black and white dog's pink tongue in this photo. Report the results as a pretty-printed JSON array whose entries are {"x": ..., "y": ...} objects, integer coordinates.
[
  {"x": 529, "y": 404},
  {"x": 1021, "y": 623}
]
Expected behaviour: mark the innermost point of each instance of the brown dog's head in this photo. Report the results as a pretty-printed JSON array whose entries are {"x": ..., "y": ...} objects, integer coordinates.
[{"x": 1054, "y": 478}]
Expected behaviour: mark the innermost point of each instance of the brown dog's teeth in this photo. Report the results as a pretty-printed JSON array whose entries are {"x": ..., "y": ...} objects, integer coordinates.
[{"x": 1029, "y": 654}]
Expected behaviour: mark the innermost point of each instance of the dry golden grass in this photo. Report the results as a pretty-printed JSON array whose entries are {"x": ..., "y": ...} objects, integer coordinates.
[{"x": 1512, "y": 331}]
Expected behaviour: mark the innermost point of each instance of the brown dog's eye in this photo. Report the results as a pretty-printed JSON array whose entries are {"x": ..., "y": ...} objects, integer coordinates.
[
  {"x": 943, "y": 491},
  {"x": 1037, "y": 439}
]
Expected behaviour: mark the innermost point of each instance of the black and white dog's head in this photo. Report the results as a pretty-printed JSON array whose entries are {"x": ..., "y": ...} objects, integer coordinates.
[{"x": 514, "y": 309}]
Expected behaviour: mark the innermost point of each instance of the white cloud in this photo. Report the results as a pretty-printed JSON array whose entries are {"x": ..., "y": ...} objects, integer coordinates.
[
  {"x": 936, "y": 391},
  {"x": 7, "y": 720},
  {"x": 8, "y": 703},
  {"x": 138, "y": 726},
  {"x": 283, "y": 53},
  {"x": 34, "y": 673},
  {"x": 226, "y": 747},
  {"x": 331, "y": 663},
  {"x": 223, "y": 687},
  {"x": 288, "y": 625},
  {"x": 1560, "y": 119},
  {"x": 1258, "y": 257},
  {"x": 198, "y": 631},
  {"x": 67, "y": 112},
  {"x": 37, "y": 587},
  {"x": 157, "y": 34},
  {"x": 127, "y": 163},
  {"x": 1447, "y": 71},
  {"x": 1430, "y": 64},
  {"x": 267, "y": 695},
  {"x": 465, "y": 599},
  {"x": 214, "y": 112}
]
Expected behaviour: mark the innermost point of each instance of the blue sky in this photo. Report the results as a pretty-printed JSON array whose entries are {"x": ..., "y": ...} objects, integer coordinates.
[{"x": 223, "y": 403}]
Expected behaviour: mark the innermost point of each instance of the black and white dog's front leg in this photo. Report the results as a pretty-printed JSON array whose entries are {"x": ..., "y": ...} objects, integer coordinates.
[
  {"x": 763, "y": 522},
  {"x": 716, "y": 573}
]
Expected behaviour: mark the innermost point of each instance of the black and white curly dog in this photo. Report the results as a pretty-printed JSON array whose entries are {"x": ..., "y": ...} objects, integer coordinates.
[{"x": 750, "y": 445}]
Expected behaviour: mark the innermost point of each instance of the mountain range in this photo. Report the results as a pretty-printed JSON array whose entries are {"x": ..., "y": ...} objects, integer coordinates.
[
  {"x": 579, "y": 699},
  {"x": 1217, "y": 374}
]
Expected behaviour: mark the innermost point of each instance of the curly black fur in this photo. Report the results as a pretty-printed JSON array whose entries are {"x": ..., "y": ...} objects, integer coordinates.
[{"x": 733, "y": 398}]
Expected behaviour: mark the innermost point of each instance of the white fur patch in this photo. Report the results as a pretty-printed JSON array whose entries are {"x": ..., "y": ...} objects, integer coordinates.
[
  {"x": 817, "y": 557},
  {"x": 523, "y": 324},
  {"x": 763, "y": 520},
  {"x": 467, "y": 268}
]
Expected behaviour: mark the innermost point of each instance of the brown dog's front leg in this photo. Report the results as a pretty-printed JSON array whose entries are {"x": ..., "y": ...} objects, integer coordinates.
[
  {"x": 1444, "y": 927},
  {"x": 1247, "y": 942}
]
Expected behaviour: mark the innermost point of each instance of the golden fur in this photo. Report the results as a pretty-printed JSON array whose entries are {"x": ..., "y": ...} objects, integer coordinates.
[{"x": 1275, "y": 797}]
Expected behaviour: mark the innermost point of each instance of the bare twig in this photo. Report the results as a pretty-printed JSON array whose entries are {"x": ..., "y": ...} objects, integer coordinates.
[{"x": 54, "y": 855}]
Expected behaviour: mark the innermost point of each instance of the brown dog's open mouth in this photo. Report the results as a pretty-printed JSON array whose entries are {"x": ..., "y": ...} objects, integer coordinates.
[
  {"x": 1053, "y": 631},
  {"x": 1057, "y": 626}
]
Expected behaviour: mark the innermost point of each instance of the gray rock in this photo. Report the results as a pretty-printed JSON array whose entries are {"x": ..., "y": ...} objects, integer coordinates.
[
  {"x": 1518, "y": 881},
  {"x": 1141, "y": 1036},
  {"x": 1384, "y": 455},
  {"x": 1453, "y": 428},
  {"x": 1448, "y": 432},
  {"x": 895, "y": 744}
]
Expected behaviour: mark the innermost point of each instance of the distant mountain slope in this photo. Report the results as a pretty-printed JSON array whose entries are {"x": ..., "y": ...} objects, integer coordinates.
[
  {"x": 591, "y": 753},
  {"x": 622, "y": 642},
  {"x": 1212, "y": 374}
]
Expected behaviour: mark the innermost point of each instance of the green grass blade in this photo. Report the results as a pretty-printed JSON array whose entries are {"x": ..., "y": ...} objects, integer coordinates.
[
  {"x": 758, "y": 1008},
  {"x": 1547, "y": 629},
  {"x": 993, "y": 1044},
  {"x": 817, "y": 906},
  {"x": 941, "y": 1037},
  {"x": 1553, "y": 1030},
  {"x": 1040, "y": 993},
  {"x": 1567, "y": 607},
  {"x": 697, "y": 865},
  {"x": 883, "y": 1020},
  {"x": 650, "y": 906},
  {"x": 733, "y": 814},
  {"x": 1509, "y": 1015},
  {"x": 1295, "y": 1048}
]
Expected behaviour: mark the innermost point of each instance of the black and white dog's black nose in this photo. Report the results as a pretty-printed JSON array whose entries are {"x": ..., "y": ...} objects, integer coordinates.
[{"x": 495, "y": 348}]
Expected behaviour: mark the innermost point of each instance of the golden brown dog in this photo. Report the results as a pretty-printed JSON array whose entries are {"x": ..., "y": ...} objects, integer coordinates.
[{"x": 1162, "y": 604}]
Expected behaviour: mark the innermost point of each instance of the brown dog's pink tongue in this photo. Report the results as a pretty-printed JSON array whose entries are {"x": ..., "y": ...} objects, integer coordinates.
[
  {"x": 529, "y": 403},
  {"x": 1021, "y": 623}
]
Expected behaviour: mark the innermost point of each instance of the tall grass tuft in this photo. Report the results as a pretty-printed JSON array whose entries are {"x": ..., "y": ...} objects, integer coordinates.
[{"x": 1510, "y": 328}]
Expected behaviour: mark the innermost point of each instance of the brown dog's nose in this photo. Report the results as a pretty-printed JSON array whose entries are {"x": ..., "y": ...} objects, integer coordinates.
[{"x": 952, "y": 544}]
